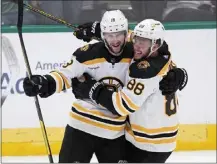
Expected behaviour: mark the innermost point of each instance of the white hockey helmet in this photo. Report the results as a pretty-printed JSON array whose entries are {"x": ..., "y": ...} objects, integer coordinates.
[
  {"x": 113, "y": 21},
  {"x": 150, "y": 29}
]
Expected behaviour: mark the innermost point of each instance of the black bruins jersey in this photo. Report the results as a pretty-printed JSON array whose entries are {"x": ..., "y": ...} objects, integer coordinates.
[{"x": 99, "y": 63}]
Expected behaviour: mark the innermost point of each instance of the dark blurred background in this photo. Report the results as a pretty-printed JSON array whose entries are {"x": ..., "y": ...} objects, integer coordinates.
[{"x": 77, "y": 12}]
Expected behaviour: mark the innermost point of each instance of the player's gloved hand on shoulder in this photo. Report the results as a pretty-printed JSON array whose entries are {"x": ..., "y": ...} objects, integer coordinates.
[
  {"x": 164, "y": 49},
  {"x": 175, "y": 79},
  {"x": 37, "y": 84},
  {"x": 89, "y": 89},
  {"x": 88, "y": 31}
]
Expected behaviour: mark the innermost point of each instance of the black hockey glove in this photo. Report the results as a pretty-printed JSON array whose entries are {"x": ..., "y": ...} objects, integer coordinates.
[
  {"x": 38, "y": 85},
  {"x": 89, "y": 89},
  {"x": 75, "y": 89},
  {"x": 88, "y": 31},
  {"x": 175, "y": 79},
  {"x": 164, "y": 49}
]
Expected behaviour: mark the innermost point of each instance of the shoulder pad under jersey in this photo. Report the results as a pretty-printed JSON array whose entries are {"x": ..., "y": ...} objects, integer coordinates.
[
  {"x": 89, "y": 52},
  {"x": 151, "y": 67}
]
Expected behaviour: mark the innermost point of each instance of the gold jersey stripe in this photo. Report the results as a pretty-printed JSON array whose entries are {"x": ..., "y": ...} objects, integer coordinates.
[
  {"x": 129, "y": 102},
  {"x": 59, "y": 81},
  {"x": 151, "y": 141},
  {"x": 120, "y": 106},
  {"x": 125, "y": 60},
  {"x": 156, "y": 130},
  {"x": 97, "y": 113},
  {"x": 165, "y": 69},
  {"x": 94, "y": 61},
  {"x": 172, "y": 65},
  {"x": 64, "y": 79},
  {"x": 97, "y": 124}
]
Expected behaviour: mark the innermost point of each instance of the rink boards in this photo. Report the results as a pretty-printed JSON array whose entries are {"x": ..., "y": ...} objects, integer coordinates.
[
  {"x": 193, "y": 49},
  {"x": 29, "y": 141}
]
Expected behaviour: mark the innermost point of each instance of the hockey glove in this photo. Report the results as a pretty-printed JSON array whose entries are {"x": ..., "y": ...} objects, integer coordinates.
[
  {"x": 88, "y": 31},
  {"x": 37, "y": 84},
  {"x": 89, "y": 89},
  {"x": 164, "y": 49},
  {"x": 175, "y": 79},
  {"x": 75, "y": 89}
]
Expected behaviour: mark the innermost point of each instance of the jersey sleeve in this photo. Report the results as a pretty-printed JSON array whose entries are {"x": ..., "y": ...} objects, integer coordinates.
[
  {"x": 63, "y": 75},
  {"x": 144, "y": 78},
  {"x": 132, "y": 96}
]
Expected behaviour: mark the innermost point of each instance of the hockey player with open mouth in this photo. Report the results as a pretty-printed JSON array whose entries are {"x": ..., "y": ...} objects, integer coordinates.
[
  {"x": 91, "y": 127},
  {"x": 153, "y": 124}
]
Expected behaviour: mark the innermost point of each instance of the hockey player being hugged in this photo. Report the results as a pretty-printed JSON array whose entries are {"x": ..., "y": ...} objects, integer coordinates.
[
  {"x": 153, "y": 124},
  {"x": 92, "y": 128}
]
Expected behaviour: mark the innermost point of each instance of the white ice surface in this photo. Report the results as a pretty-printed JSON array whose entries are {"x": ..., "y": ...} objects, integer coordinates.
[{"x": 187, "y": 156}]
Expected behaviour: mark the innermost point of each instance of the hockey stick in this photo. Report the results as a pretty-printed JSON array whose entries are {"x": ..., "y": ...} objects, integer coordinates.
[
  {"x": 12, "y": 63},
  {"x": 19, "y": 27},
  {"x": 47, "y": 15}
]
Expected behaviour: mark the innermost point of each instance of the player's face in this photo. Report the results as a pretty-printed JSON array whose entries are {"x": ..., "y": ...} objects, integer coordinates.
[
  {"x": 115, "y": 40},
  {"x": 141, "y": 47}
]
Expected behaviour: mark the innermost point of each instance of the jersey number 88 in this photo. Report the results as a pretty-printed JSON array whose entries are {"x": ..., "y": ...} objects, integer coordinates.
[
  {"x": 170, "y": 101},
  {"x": 136, "y": 87}
]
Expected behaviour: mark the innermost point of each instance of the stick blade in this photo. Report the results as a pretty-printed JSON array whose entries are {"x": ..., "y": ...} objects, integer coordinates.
[
  {"x": 10, "y": 55},
  {"x": 13, "y": 66}
]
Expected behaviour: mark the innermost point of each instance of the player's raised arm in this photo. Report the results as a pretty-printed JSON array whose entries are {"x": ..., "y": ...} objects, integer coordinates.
[{"x": 91, "y": 30}]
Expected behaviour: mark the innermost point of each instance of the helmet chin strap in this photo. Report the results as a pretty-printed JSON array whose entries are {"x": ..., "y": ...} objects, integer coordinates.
[{"x": 151, "y": 49}]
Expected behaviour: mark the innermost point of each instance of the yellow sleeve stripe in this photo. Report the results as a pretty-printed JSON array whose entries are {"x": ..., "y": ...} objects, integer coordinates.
[
  {"x": 67, "y": 83},
  {"x": 94, "y": 61},
  {"x": 165, "y": 69},
  {"x": 120, "y": 106},
  {"x": 125, "y": 60},
  {"x": 59, "y": 81},
  {"x": 129, "y": 102},
  {"x": 154, "y": 131},
  {"x": 172, "y": 65}
]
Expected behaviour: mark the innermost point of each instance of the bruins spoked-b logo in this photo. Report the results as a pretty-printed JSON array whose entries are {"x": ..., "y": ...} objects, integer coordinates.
[
  {"x": 112, "y": 83},
  {"x": 85, "y": 47},
  {"x": 143, "y": 64}
]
